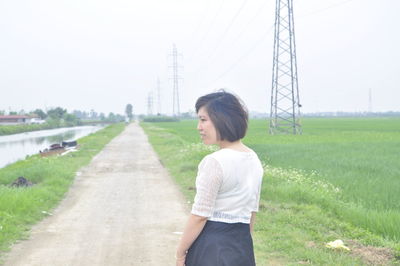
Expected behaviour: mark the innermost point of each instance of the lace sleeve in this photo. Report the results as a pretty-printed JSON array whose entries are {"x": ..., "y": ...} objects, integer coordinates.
[
  {"x": 257, "y": 202},
  {"x": 208, "y": 182}
]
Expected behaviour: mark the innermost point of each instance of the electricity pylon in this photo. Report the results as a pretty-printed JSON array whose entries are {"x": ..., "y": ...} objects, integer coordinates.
[
  {"x": 158, "y": 97},
  {"x": 150, "y": 103},
  {"x": 285, "y": 101},
  {"x": 370, "y": 102},
  {"x": 176, "y": 78}
]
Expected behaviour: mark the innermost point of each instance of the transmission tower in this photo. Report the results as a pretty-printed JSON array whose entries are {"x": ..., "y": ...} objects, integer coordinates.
[
  {"x": 176, "y": 78},
  {"x": 285, "y": 101},
  {"x": 370, "y": 102},
  {"x": 158, "y": 97},
  {"x": 150, "y": 104}
]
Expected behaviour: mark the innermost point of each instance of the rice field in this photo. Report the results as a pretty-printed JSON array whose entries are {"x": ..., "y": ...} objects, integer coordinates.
[{"x": 359, "y": 157}]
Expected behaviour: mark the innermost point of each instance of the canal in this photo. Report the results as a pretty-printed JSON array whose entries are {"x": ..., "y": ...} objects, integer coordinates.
[{"x": 18, "y": 146}]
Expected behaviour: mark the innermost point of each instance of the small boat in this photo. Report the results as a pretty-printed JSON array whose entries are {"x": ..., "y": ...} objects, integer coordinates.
[
  {"x": 58, "y": 148},
  {"x": 55, "y": 147},
  {"x": 52, "y": 151},
  {"x": 73, "y": 143}
]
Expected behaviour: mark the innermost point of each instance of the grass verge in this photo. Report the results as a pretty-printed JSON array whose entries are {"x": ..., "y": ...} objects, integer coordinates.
[
  {"x": 20, "y": 208},
  {"x": 298, "y": 213}
]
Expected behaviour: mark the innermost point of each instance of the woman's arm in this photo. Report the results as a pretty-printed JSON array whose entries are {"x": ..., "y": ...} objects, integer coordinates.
[
  {"x": 193, "y": 228},
  {"x": 252, "y": 221},
  {"x": 208, "y": 182}
]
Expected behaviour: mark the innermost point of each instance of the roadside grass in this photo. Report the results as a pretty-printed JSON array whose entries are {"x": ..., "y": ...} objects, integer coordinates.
[
  {"x": 20, "y": 208},
  {"x": 305, "y": 199}
]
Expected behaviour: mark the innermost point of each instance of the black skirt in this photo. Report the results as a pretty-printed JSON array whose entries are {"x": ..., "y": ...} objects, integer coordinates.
[{"x": 222, "y": 244}]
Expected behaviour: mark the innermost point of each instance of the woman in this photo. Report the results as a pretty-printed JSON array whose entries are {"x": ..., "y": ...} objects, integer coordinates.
[{"x": 228, "y": 183}]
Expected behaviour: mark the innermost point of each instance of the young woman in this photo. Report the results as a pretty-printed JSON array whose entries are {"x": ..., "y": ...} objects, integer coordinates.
[{"x": 228, "y": 183}]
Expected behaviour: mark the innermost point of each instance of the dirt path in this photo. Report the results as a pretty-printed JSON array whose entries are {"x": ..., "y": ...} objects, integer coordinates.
[{"x": 123, "y": 209}]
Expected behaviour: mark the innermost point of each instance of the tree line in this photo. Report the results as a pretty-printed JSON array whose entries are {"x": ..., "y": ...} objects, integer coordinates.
[{"x": 60, "y": 116}]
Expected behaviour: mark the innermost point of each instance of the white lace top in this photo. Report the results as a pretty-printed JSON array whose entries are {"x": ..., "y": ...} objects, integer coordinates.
[{"x": 228, "y": 186}]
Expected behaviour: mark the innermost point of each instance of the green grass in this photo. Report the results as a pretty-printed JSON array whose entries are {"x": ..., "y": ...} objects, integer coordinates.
[
  {"x": 52, "y": 176},
  {"x": 15, "y": 129},
  {"x": 360, "y": 157},
  {"x": 339, "y": 180}
]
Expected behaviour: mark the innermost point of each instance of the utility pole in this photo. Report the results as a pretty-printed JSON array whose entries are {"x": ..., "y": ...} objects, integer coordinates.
[
  {"x": 176, "y": 78},
  {"x": 285, "y": 101}
]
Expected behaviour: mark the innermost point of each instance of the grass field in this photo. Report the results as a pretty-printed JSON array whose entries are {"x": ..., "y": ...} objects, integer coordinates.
[
  {"x": 52, "y": 176},
  {"x": 339, "y": 180}
]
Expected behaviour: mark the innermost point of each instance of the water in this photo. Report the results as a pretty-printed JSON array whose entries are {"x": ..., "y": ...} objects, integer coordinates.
[{"x": 18, "y": 146}]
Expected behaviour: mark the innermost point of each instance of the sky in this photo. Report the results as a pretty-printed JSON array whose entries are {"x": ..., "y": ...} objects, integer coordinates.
[{"x": 103, "y": 54}]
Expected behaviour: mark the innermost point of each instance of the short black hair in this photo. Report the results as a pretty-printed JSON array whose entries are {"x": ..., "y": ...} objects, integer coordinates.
[{"x": 227, "y": 112}]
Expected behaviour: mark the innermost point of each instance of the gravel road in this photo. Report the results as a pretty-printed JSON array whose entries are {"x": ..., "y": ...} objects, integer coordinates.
[{"x": 123, "y": 209}]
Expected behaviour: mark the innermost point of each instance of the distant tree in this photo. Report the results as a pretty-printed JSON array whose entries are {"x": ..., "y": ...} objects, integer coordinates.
[
  {"x": 83, "y": 114},
  {"x": 119, "y": 118},
  {"x": 77, "y": 113},
  {"x": 188, "y": 115},
  {"x": 102, "y": 116},
  {"x": 70, "y": 120},
  {"x": 13, "y": 113},
  {"x": 114, "y": 118},
  {"x": 93, "y": 114},
  {"x": 2, "y": 112},
  {"x": 56, "y": 113},
  {"x": 128, "y": 111},
  {"x": 111, "y": 117},
  {"x": 42, "y": 115},
  {"x": 69, "y": 117}
]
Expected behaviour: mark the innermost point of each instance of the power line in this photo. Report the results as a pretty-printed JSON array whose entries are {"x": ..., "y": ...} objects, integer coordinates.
[
  {"x": 238, "y": 36},
  {"x": 325, "y": 8},
  {"x": 244, "y": 55},
  {"x": 259, "y": 11},
  {"x": 244, "y": 28},
  {"x": 228, "y": 28},
  {"x": 207, "y": 31},
  {"x": 200, "y": 21},
  {"x": 248, "y": 52}
]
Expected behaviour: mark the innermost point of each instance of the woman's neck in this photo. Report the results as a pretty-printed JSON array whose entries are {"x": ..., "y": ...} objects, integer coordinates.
[{"x": 235, "y": 145}]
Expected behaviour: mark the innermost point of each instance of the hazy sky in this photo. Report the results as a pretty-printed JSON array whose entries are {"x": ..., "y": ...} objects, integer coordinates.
[{"x": 103, "y": 54}]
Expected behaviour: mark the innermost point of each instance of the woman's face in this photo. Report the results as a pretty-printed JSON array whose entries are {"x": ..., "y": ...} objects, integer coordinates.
[{"x": 206, "y": 128}]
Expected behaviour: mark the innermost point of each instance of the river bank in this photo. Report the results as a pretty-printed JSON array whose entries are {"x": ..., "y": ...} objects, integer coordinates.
[
  {"x": 51, "y": 176},
  {"x": 18, "y": 146},
  {"x": 15, "y": 129}
]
